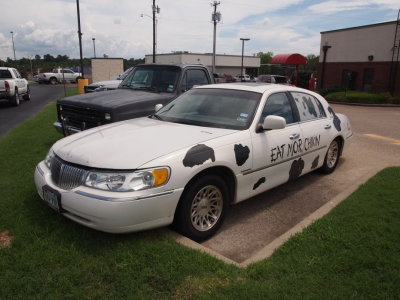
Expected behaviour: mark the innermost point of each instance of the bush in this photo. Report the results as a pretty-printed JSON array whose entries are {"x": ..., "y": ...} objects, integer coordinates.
[
  {"x": 362, "y": 97},
  {"x": 330, "y": 90}
]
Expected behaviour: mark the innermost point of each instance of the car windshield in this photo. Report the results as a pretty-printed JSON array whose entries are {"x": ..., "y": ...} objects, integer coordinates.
[
  {"x": 152, "y": 78},
  {"x": 221, "y": 108}
]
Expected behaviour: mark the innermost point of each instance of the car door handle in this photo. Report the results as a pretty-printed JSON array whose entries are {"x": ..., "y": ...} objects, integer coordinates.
[
  {"x": 294, "y": 136},
  {"x": 327, "y": 126}
]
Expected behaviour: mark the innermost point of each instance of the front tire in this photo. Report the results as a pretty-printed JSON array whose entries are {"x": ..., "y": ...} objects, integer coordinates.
[
  {"x": 331, "y": 157},
  {"x": 53, "y": 81},
  {"x": 202, "y": 208}
]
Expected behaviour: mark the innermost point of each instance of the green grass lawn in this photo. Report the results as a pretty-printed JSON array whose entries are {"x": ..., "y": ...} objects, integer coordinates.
[{"x": 352, "y": 253}]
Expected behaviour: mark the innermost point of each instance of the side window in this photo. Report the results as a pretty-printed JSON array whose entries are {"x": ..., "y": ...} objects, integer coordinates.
[
  {"x": 308, "y": 106},
  {"x": 278, "y": 105},
  {"x": 195, "y": 77}
]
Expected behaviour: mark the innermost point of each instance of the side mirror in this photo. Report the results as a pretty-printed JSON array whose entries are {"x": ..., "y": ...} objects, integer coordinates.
[
  {"x": 158, "y": 107},
  {"x": 273, "y": 122}
]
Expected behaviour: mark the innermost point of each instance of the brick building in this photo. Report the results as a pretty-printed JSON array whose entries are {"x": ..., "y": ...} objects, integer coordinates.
[{"x": 364, "y": 58}]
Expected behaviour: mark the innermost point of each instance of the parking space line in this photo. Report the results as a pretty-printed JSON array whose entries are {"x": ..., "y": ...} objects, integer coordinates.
[{"x": 384, "y": 138}]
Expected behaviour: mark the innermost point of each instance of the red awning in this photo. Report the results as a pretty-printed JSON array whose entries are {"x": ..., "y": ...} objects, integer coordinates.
[{"x": 289, "y": 59}]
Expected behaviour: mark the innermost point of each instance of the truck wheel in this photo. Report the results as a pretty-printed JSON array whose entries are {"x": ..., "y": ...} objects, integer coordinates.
[
  {"x": 53, "y": 80},
  {"x": 202, "y": 208},
  {"x": 27, "y": 96},
  {"x": 15, "y": 99}
]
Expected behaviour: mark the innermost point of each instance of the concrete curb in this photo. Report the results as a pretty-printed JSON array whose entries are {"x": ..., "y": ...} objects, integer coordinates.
[{"x": 269, "y": 249}]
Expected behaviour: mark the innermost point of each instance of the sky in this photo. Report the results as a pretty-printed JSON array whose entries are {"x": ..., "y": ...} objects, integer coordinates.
[{"x": 124, "y": 28}]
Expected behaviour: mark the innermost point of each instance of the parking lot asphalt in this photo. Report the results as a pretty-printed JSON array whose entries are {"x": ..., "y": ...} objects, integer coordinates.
[
  {"x": 41, "y": 95},
  {"x": 254, "y": 228}
]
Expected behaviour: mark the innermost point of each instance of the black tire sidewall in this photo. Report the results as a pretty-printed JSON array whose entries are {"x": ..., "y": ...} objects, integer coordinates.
[
  {"x": 27, "y": 96},
  {"x": 182, "y": 220},
  {"x": 15, "y": 99}
]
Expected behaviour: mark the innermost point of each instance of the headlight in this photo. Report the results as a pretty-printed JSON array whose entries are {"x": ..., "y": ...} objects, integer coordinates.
[
  {"x": 127, "y": 182},
  {"x": 49, "y": 158}
]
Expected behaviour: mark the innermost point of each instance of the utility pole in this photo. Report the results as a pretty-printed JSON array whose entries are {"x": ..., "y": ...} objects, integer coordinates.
[
  {"x": 80, "y": 37},
  {"x": 155, "y": 9},
  {"x": 216, "y": 17},
  {"x": 12, "y": 37}
]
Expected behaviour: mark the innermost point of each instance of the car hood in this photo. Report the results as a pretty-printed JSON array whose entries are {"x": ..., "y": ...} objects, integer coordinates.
[
  {"x": 107, "y": 83},
  {"x": 130, "y": 144},
  {"x": 114, "y": 98}
]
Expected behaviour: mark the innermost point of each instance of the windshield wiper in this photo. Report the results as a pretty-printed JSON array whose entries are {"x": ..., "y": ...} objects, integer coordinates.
[
  {"x": 154, "y": 116},
  {"x": 147, "y": 88}
]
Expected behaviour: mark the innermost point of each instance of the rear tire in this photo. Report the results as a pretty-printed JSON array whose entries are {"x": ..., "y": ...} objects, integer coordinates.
[
  {"x": 202, "y": 208},
  {"x": 27, "y": 96},
  {"x": 15, "y": 99},
  {"x": 332, "y": 157}
]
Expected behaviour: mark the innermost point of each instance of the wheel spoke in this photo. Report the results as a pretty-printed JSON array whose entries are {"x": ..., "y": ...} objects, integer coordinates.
[{"x": 206, "y": 208}]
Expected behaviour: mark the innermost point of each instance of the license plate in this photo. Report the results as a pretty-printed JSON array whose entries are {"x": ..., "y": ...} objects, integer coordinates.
[{"x": 52, "y": 198}]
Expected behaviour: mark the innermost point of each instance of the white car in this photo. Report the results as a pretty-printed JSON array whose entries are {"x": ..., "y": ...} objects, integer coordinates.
[
  {"x": 212, "y": 146},
  {"x": 106, "y": 85}
]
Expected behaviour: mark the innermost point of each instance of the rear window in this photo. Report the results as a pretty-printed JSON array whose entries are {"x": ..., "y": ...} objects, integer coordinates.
[{"x": 5, "y": 74}]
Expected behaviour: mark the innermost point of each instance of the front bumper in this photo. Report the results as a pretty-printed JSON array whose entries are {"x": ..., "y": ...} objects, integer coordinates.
[
  {"x": 65, "y": 130},
  {"x": 110, "y": 211}
]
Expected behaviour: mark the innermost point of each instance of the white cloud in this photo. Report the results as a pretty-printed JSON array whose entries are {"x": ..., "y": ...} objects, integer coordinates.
[{"x": 50, "y": 26}]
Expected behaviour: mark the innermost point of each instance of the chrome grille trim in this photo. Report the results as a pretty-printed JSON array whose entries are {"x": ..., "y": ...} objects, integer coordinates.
[{"x": 66, "y": 176}]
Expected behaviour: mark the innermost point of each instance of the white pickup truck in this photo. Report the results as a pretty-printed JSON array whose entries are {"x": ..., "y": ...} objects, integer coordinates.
[
  {"x": 12, "y": 86},
  {"x": 59, "y": 75}
]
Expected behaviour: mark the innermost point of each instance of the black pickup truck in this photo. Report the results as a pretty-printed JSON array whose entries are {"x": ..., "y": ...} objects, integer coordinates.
[{"x": 136, "y": 96}]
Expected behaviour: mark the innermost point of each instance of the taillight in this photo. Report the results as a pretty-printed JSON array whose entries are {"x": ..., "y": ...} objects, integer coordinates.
[{"x": 7, "y": 85}]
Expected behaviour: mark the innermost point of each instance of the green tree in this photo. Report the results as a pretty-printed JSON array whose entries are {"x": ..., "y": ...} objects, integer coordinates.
[{"x": 266, "y": 58}]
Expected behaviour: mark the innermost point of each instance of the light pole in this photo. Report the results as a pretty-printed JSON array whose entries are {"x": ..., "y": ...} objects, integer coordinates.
[
  {"x": 80, "y": 37},
  {"x": 216, "y": 17},
  {"x": 94, "y": 47},
  {"x": 243, "y": 40},
  {"x": 12, "y": 37}
]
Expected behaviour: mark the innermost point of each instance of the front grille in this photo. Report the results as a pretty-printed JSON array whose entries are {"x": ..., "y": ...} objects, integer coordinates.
[
  {"x": 66, "y": 176},
  {"x": 81, "y": 117}
]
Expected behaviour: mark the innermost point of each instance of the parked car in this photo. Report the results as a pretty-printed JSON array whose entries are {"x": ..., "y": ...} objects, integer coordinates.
[
  {"x": 12, "y": 86},
  {"x": 142, "y": 88},
  {"x": 212, "y": 146},
  {"x": 106, "y": 85},
  {"x": 59, "y": 75},
  {"x": 219, "y": 78},
  {"x": 229, "y": 78},
  {"x": 267, "y": 78},
  {"x": 244, "y": 77}
]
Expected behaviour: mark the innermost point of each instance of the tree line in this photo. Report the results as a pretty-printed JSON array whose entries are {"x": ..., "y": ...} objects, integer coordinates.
[{"x": 33, "y": 65}]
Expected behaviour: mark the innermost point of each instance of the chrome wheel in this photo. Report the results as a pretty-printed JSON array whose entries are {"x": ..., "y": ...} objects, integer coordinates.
[
  {"x": 333, "y": 154},
  {"x": 206, "y": 208}
]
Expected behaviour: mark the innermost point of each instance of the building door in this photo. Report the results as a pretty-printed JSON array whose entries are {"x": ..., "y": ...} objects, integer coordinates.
[{"x": 368, "y": 79}]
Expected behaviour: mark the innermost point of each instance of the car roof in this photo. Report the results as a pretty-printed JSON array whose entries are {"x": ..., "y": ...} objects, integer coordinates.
[{"x": 254, "y": 87}]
